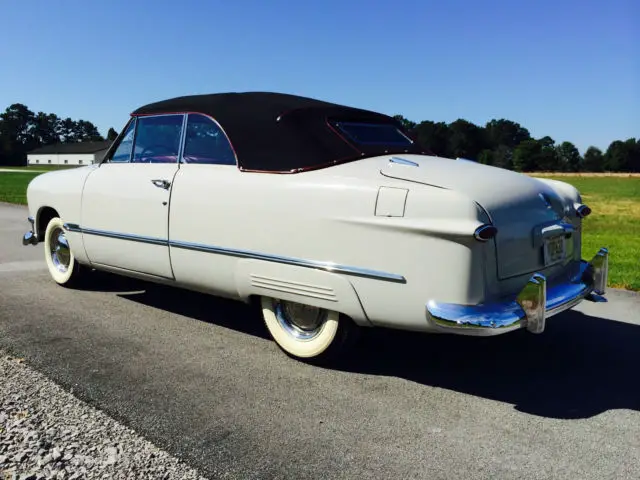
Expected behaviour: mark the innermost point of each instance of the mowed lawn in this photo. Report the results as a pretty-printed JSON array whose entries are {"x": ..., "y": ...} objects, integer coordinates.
[
  {"x": 614, "y": 223},
  {"x": 13, "y": 186}
]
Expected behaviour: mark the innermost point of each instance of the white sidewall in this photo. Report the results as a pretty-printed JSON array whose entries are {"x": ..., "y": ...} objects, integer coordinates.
[
  {"x": 56, "y": 274},
  {"x": 300, "y": 348}
]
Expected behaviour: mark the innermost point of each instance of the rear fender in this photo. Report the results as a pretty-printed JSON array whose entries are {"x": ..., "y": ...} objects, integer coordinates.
[{"x": 299, "y": 284}]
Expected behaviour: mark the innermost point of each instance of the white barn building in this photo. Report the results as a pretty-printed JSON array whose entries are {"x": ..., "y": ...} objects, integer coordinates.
[{"x": 80, "y": 153}]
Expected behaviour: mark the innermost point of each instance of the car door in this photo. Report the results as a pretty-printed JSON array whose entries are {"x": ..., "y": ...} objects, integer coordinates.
[{"x": 125, "y": 201}]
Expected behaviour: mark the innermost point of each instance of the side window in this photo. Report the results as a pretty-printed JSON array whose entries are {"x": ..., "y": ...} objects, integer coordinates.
[
  {"x": 205, "y": 142},
  {"x": 157, "y": 139},
  {"x": 123, "y": 151}
]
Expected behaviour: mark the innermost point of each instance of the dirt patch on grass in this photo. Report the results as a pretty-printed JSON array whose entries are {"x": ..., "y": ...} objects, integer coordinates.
[{"x": 618, "y": 208}]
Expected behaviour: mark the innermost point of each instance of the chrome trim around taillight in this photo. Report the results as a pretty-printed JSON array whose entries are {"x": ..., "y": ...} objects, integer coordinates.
[
  {"x": 582, "y": 210},
  {"x": 485, "y": 232}
]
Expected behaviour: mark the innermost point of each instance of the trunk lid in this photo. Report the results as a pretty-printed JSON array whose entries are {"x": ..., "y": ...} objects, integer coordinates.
[{"x": 518, "y": 205}]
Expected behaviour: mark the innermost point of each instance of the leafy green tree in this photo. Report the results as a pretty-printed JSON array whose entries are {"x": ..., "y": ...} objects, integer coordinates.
[
  {"x": 17, "y": 123},
  {"x": 486, "y": 157},
  {"x": 633, "y": 146},
  {"x": 503, "y": 157},
  {"x": 616, "y": 158},
  {"x": 87, "y": 132},
  {"x": 16, "y": 132},
  {"x": 466, "y": 139},
  {"x": 569, "y": 159},
  {"x": 505, "y": 132},
  {"x": 407, "y": 124},
  {"x": 593, "y": 160},
  {"x": 67, "y": 130},
  {"x": 526, "y": 156},
  {"x": 434, "y": 136},
  {"x": 548, "y": 159},
  {"x": 112, "y": 134},
  {"x": 44, "y": 128}
]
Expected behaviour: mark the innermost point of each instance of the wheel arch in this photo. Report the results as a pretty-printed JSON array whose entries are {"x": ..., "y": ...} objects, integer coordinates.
[{"x": 43, "y": 217}]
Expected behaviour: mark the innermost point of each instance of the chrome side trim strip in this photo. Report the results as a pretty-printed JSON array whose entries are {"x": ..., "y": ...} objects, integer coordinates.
[
  {"x": 72, "y": 227},
  {"x": 318, "y": 265}
]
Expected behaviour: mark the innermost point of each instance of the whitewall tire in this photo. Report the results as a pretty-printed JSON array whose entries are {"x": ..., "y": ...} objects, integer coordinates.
[
  {"x": 61, "y": 263},
  {"x": 305, "y": 332}
]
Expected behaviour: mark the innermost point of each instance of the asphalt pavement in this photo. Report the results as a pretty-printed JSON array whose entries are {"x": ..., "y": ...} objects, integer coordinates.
[{"x": 199, "y": 377}]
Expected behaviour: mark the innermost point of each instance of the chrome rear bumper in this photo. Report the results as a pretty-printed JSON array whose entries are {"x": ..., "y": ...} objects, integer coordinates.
[
  {"x": 536, "y": 302},
  {"x": 31, "y": 237}
]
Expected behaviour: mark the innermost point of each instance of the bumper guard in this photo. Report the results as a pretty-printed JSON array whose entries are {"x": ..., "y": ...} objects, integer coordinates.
[
  {"x": 31, "y": 237},
  {"x": 536, "y": 302}
]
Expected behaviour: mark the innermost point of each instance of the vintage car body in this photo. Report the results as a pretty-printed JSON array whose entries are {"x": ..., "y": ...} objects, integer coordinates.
[{"x": 330, "y": 217}]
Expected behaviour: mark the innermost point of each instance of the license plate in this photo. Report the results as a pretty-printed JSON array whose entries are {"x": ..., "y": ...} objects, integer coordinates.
[{"x": 554, "y": 250}]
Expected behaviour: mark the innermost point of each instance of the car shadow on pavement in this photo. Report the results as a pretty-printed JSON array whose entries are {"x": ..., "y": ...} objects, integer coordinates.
[
  {"x": 579, "y": 367},
  {"x": 198, "y": 306}
]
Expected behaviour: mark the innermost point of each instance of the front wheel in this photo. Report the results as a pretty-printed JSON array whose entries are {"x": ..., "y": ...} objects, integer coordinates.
[
  {"x": 63, "y": 267},
  {"x": 306, "y": 332}
]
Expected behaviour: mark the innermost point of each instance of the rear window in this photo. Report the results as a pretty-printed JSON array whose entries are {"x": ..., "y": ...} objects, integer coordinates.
[{"x": 374, "y": 133}]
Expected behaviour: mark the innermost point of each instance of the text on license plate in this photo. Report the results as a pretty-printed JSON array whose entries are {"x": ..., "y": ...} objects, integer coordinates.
[{"x": 554, "y": 250}]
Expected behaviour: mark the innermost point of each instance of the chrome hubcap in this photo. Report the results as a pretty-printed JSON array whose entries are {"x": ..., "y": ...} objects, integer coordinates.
[
  {"x": 60, "y": 253},
  {"x": 303, "y": 322}
]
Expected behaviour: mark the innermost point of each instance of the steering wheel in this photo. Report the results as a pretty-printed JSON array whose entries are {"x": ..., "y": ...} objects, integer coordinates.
[{"x": 152, "y": 149}]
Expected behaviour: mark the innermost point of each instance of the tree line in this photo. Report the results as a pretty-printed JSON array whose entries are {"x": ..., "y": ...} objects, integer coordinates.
[
  {"x": 502, "y": 143},
  {"x": 22, "y": 130},
  {"x": 507, "y": 144}
]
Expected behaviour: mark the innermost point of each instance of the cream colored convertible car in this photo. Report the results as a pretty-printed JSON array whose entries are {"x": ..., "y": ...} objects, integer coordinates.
[{"x": 330, "y": 218}]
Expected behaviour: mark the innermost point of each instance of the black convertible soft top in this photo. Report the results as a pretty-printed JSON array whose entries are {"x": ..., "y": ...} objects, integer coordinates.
[{"x": 277, "y": 132}]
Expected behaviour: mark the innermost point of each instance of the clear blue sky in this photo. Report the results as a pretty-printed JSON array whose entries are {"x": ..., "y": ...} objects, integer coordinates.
[{"x": 565, "y": 68}]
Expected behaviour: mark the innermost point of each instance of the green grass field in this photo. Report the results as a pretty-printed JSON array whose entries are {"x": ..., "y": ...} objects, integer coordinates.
[
  {"x": 614, "y": 223},
  {"x": 13, "y": 186},
  {"x": 39, "y": 168}
]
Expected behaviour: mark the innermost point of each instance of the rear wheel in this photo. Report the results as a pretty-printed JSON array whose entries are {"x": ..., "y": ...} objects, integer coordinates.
[
  {"x": 306, "y": 332},
  {"x": 63, "y": 267}
]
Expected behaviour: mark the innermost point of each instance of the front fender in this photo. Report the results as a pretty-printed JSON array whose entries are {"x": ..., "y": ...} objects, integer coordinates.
[{"x": 61, "y": 191}]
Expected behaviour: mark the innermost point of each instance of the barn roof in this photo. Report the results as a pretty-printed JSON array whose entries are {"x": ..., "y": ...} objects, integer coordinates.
[{"x": 280, "y": 132}]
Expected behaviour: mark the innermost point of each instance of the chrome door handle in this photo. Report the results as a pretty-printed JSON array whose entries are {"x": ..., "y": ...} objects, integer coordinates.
[{"x": 161, "y": 183}]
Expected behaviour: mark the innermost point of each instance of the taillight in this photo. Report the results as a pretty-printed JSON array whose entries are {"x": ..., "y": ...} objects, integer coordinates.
[
  {"x": 582, "y": 210},
  {"x": 485, "y": 232}
]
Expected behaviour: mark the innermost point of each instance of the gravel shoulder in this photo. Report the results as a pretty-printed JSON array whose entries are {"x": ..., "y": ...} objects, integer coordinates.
[{"x": 47, "y": 433}]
